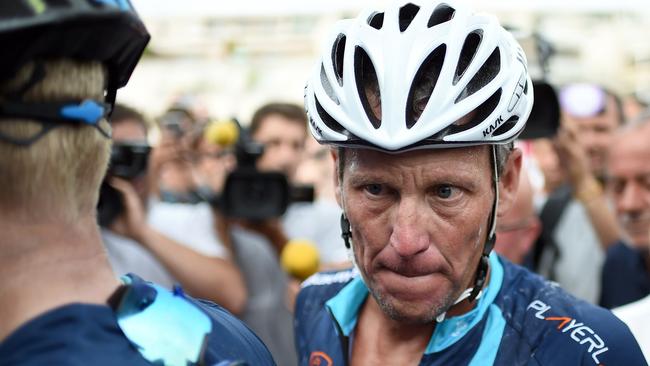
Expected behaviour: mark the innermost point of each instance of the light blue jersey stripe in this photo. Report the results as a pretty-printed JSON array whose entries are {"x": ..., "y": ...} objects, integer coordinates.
[
  {"x": 346, "y": 304},
  {"x": 491, "y": 339},
  {"x": 452, "y": 329}
]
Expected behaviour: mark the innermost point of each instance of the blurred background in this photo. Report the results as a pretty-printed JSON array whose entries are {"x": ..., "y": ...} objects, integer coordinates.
[{"x": 224, "y": 59}]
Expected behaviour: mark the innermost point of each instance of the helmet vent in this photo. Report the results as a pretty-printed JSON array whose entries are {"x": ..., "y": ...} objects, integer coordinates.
[
  {"x": 526, "y": 89},
  {"x": 338, "y": 53},
  {"x": 443, "y": 13},
  {"x": 423, "y": 85},
  {"x": 327, "y": 86},
  {"x": 329, "y": 121},
  {"x": 406, "y": 15},
  {"x": 367, "y": 86},
  {"x": 483, "y": 76},
  {"x": 472, "y": 42},
  {"x": 478, "y": 115},
  {"x": 376, "y": 20},
  {"x": 507, "y": 126}
]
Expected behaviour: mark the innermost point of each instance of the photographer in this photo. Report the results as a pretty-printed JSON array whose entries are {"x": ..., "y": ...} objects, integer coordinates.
[
  {"x": 282, "y": 129},
  {"x": 170, "y": 171},
  {"x": 250, "y": 215},
  {"x": 165, "y": 243}
]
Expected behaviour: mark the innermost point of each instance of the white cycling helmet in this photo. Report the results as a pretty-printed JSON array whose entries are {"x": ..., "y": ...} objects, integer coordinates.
[{"x": 445, "y": 77}]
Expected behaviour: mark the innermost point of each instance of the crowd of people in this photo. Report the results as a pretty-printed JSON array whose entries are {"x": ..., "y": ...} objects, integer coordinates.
[{"x": 399, "y": 178}]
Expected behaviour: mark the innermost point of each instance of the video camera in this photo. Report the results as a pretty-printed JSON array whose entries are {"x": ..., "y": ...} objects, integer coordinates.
[
  {"x": 128, "y": 161},
  {"x": 544, "y": 119},
  {"x": 251, "y": 194}
]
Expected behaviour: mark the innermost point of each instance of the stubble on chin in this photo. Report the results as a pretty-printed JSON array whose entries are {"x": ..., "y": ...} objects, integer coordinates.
[{"x": 427, "y": 317}]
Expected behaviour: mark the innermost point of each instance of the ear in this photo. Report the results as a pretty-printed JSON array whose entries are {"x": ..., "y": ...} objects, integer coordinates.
[
  {"x": 509, "y": 182},
  {"x": 335, "y": 176}
]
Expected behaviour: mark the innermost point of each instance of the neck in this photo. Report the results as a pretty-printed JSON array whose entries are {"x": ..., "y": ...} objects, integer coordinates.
[
  {"x": 48, "y": 263},
  {"x": 380, "y": 339},
  {"x": 387, "y": 326}
]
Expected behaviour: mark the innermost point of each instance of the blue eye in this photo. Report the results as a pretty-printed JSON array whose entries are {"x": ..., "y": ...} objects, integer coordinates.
[
  {"x": 444, "y": 191},
  {"x": 374, "y": 189}
]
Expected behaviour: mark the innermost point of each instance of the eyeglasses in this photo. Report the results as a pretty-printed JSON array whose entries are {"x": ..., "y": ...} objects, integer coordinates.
[
  {"x": 523, "y": 224},
  {"x": 165, "y": 327}
]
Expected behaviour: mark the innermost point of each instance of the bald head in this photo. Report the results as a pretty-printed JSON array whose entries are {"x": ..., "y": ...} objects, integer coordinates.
[
  {"x": 519, "y": 227},
  {"x": 628, "y": 180}
]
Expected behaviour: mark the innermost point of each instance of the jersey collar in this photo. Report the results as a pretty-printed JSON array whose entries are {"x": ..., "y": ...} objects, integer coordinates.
[{"x": 345, "y": 307}]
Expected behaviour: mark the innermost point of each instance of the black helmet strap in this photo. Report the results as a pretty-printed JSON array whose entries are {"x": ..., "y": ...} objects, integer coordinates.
[{"x": 51, "y": 114}]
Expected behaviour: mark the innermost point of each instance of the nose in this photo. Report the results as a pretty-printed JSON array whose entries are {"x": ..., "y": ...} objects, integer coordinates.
[
  {"x": 631, "y": 199},
  {"x": 409, "y": 234}
]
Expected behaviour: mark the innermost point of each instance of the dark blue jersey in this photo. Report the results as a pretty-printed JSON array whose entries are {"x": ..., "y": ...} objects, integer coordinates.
[
  {"x": 625, "y": 276},
  {"x": 84, "y": 334},
  {"x": 520, "y": 319}
]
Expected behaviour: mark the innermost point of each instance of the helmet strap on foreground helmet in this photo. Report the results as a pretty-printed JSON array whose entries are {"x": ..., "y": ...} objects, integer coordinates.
[{"x": 51, "y": 114}]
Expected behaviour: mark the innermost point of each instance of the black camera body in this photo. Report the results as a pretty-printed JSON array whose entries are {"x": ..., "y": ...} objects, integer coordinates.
[
  {"x": 254, "y": 195},
  {"x": 544, "y": 119},
  {"x": 128, "y": 161}
]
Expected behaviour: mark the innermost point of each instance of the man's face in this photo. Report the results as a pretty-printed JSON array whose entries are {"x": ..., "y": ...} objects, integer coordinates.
[
  {"x": 212, "y": 165},
  {"x": 549, "y": 163},
  {"x": 419, "y": 222},
  {"x": 628, "y": 182},
  {"x": 284, "y": 141},
  {"x": 131, "y": 132},
  {"x": 596, "y": 134},
  {"x": 520, "y": 226}
]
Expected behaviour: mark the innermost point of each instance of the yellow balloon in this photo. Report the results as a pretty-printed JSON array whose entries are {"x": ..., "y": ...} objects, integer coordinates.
[
  {"x": 300, "y": 258},
  {"x": 222, "y": 133}
]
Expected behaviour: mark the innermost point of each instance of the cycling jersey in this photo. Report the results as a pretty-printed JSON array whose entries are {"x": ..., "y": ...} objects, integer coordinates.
[{"x": 520, "y": 319}]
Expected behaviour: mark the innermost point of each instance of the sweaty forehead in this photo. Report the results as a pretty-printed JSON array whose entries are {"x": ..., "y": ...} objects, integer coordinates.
[
  {"x": 631, "y": 146},
  {"x": 128, "y": 130},
  {"x": 461, "y": 161},
  {"x": 277, "y": 126},
  {"x": 609, "y": 118}
]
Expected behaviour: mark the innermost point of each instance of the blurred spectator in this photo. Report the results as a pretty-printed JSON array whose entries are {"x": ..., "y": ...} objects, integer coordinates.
[
  {"x": 626, "y": 274},
  {"x": 548, "y": 161},
  {"x": 170, "y": 171},
  {"x": 265, "y": 311},
  {"x": 520, "y": 227},
  {"x": 164, "y": 242},
  {"x": 282, "y": 129},
  {"x": 211, "y": 163},
  {"x": 316, "y": 168},
  {"x": 577, "y": 213},
  {"x": 633, "y": 107},
  {"x": 596, "y": 113}
]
